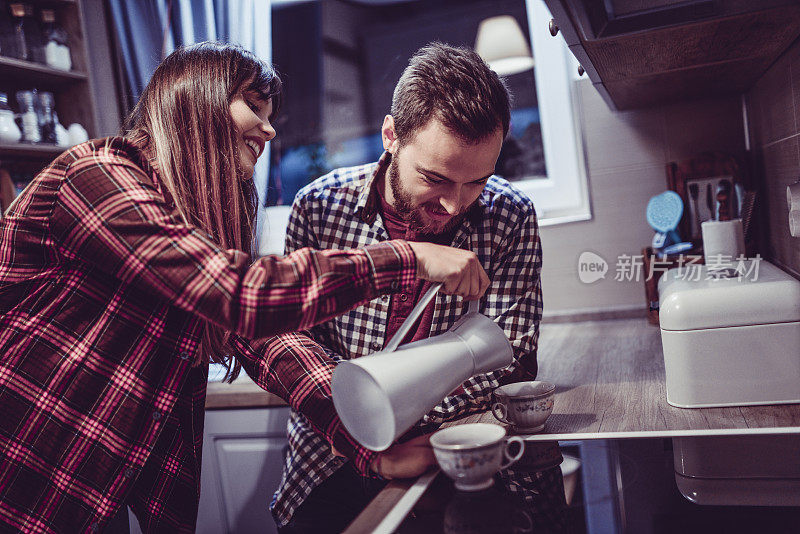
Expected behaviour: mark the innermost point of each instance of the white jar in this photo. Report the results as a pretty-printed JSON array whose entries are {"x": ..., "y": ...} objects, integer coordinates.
[{"x": 9, "y": 131}]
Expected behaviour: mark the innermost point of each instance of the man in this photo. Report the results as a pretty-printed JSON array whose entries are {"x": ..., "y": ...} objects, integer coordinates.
[{"x": 433, "y": 184}]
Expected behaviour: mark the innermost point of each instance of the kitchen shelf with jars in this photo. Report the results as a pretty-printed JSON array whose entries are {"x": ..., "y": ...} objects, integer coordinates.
[{"x": 46, "y": 100}]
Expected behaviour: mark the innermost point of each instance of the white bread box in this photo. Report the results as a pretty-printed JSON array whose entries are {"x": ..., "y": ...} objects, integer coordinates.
[{"x": 730, "y": 341}]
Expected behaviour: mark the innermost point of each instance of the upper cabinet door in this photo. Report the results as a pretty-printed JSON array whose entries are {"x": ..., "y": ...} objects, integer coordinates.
[{"x": 640, "y": 53}]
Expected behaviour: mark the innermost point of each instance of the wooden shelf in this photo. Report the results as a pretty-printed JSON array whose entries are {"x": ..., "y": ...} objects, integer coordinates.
[
  {"x": 53, "y": 3},
  {"x": 34, "y": 73},
  {"x": 30, "y": 151},
  {"x": 72, "y": 90}
]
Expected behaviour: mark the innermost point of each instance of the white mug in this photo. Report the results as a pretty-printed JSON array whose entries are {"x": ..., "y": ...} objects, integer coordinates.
[{"x": 472, "y": 453}]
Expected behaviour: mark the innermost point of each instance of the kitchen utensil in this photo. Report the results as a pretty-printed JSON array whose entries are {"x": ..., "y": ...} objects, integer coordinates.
[
  {"x": 663, "y": 214},
  {"x": 378, "y": 397},
  {"x": 472, "y": 453},
  {"x": 733, "y": 202},
  {"x": 748, "y": 203},
  {"x": 739, "y": 199},
  {"x": 724, "y": 200},
  {"x": 694, "y": 216},
  {"x": 524, "y": 405},
  {"x": 677, "y": 248}
]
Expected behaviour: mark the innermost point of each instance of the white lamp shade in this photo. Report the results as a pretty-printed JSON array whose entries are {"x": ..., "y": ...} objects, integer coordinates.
[{"x": 503, "y": 46}]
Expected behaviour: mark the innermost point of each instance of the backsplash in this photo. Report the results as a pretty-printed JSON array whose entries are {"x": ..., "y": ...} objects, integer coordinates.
[
  {"x": 774, "y": 114},
  {"x": 626, "y": 156}
]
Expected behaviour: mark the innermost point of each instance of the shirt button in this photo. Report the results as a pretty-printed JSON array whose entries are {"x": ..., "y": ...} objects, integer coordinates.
[
  {"x": 375, "y": 346},
  {"x": 130, "y": 472},
  {"x": 403, "y": 297},
  {"x": 156, "y": 416},
  {"x": 394, "y": 285},
  {"x": 385, "y": 298},
  {"x": 185, "y": 355}
]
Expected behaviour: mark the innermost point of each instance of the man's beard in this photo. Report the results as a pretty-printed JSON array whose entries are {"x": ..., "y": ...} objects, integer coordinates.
[{"x": 414, "y": 216}]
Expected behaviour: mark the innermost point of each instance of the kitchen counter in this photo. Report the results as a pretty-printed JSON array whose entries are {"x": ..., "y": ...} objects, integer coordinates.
[
  {"x": 610, "y": 384},
  {"x": 242, "y": 393}
]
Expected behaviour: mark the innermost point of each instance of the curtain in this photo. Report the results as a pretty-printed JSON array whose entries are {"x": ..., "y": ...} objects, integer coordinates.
[{"x": 149, "y": 30}]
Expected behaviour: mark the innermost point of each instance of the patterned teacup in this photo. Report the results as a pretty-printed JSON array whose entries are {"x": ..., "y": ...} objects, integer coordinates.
[
  {"x": 524, "y": 405},
  {"x": 472, "y": 453}
]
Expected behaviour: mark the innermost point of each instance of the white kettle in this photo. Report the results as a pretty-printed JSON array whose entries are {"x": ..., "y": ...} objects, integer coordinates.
[{"x": 380, "y": 396}]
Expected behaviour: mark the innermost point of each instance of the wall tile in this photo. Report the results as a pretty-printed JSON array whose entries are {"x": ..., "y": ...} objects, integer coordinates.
[
  {"x": 619, "y": 139},
  {"x": 626, "y": 155},
  {"x": 775, "y": 114},
  {"x": 781, "y": 168},
  {"x": 794, "y": 66},
  {"x": 618, "y": 227}
]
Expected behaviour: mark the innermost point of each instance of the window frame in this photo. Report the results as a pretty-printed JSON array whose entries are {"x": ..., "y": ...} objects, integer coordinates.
[{"x": 562, "y": 196}]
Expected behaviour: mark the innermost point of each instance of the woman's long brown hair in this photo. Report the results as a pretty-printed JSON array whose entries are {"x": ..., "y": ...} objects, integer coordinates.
[{"x": 184, "y": 116}]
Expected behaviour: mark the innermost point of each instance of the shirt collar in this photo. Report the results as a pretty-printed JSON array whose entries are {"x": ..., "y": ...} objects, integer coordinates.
[
  {"x": 149, "y": 161},
  {"x": 368, "y": 202}
]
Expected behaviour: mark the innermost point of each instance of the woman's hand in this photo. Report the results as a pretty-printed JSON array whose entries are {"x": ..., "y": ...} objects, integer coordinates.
[
  {"x": 405, "y": 460},
  {"x": 459, "y": 270}
]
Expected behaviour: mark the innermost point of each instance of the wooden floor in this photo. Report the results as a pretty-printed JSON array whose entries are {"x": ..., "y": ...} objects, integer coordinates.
[{"x": 611, "y": 384}]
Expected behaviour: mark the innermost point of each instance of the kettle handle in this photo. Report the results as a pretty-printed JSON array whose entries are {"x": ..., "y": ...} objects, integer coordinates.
[{"x": 402, "y": 332}]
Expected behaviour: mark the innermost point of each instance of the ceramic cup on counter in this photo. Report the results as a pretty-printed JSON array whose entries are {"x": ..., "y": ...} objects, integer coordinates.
[
  {"x": 524, "y": 405},
  {"x": 472, "y": 453}
]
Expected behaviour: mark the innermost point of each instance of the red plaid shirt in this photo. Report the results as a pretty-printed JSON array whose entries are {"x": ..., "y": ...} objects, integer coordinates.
[{"x": 104, "y": 292}]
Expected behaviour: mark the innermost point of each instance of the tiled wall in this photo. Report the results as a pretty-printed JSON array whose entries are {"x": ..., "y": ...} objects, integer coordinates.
[
  {"x": 626, "y": 154},
  {"x": 774, "y": 116}
]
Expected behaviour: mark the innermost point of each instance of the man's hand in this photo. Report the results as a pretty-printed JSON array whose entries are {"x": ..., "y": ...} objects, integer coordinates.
[
  {"x": 459, "y": 270},
  {"x": 405, "y": 460}
]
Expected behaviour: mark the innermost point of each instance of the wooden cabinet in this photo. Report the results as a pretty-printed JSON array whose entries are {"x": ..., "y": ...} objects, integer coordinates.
[
  {"x": 74, "y": 99},
  {"x": 648, "y": 52}
]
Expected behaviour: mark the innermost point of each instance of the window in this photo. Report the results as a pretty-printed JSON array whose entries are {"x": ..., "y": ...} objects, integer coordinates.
[{"x": 340, "y": 60}]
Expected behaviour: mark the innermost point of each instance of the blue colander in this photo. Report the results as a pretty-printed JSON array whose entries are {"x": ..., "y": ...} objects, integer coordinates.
[{"x": 664, "y": 212}]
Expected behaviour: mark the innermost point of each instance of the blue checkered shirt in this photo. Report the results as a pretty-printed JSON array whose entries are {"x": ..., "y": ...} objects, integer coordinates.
[{"x": 340, "y": 211}]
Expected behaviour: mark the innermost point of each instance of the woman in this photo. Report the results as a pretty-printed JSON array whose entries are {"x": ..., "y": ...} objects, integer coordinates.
[{"x": 125, "y": 268}]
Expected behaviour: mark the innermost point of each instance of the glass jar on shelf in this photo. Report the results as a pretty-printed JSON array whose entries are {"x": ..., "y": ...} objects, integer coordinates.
[
  {"x": 47, "y": 122},
  {"x": 26, "y": 100},
  {"x": 9, "y": 131},
  {"x": 55, "y": 39},
  {"x": 27, "y": 34},
  {"x": 7, "y": 46}
]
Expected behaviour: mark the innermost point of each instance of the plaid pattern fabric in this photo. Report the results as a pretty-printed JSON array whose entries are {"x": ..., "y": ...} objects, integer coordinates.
[
  {"x": 340, "y": 210},
  {"x": 543, "y": 495},
  {"x": 104, "y": 293}
]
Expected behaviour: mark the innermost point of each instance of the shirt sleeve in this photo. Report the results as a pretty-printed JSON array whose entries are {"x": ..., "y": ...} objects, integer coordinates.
[
  {"x": 108, "y": 213},
  {"x": 299, "y": 369},
  {"x": 514, "y": 300}
]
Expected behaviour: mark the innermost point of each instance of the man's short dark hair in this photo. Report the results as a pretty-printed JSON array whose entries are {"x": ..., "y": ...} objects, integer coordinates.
[{"x": 454, "y": 85}]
